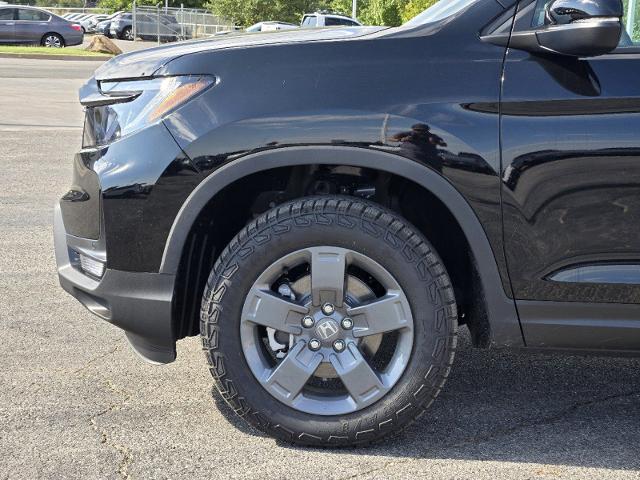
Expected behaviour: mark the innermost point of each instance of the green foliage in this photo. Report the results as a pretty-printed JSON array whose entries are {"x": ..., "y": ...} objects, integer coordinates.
[
  {"x": 58, "y": 3},
  {"x": 383, "y": 12},
  {"x": 117, "y": 5},
  {"x": 636, "y": 19},
  {"x": 415, "y": 7},
  {"x": 248, "y": 12},
  {"x": 343, "y": 7}
]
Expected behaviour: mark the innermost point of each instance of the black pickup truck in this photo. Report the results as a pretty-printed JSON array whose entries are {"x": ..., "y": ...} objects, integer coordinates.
[{"x": 325, "y": 207}]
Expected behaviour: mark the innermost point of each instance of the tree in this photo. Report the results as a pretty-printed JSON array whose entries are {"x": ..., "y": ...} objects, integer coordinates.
[
  {"x": 248, "y": 12},
  {"x": 383, "y": 12},
  {"x": 415, "y": 7},
  {"x": 126, "y": 5},
  {"x": 59, "y": 3},
  {"x": 635, "y": 31},
  {"x": 343, "y": 7},
  {"x": 370, "y": 12}
]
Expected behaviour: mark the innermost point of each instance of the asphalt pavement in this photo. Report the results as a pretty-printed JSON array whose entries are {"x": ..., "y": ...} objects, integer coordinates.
[{"x": 76, "y": 402}]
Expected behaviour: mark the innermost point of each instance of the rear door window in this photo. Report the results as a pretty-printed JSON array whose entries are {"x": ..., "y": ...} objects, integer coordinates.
[{"x": 32, "y": 15}]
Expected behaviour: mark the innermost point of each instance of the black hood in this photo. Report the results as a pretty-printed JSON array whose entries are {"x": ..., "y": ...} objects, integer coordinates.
[{"x": 145, "y": 63}]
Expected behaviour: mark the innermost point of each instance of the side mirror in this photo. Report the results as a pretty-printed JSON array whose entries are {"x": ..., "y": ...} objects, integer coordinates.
[
  {"x": 581, "y": 28},
  {"x": 577, "y": 28}
]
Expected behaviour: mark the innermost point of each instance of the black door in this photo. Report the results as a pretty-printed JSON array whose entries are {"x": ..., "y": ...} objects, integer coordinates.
[{"x": 571, "y": 192}]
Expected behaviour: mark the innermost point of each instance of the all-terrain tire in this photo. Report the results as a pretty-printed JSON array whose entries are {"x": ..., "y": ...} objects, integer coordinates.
[{"x": 361, "y": 226}]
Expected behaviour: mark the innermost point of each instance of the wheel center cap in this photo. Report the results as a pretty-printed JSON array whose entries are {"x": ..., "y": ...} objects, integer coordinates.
[{"x": 327, "y": 328}]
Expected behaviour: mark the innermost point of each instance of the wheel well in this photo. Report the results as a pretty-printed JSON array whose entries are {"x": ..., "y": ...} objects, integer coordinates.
[{"x": 238, "y": 203}]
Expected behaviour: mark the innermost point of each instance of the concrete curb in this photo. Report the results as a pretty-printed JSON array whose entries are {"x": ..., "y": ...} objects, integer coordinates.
[{"x": 44, "y": 56}]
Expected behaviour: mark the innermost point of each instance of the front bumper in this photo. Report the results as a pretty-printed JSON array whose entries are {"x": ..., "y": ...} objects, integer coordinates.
[{"x": 139, "y": 303}]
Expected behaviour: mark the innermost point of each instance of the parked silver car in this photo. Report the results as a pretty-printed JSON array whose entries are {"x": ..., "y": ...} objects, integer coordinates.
[{"x": 28, "y": 25}]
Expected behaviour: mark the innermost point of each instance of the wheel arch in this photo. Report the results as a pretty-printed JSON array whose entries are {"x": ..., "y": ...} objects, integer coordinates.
[{"x": 500, "y": 309}]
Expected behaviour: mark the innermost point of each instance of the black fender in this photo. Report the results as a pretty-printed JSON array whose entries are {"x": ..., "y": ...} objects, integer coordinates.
[{"x": 505, "y": 326}]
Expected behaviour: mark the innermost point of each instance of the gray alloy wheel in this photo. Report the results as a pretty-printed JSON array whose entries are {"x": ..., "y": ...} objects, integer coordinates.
[
  {"x": 52, "y": 40},
  {"x": 326, "y": 326},
  {"x": 127, "y": 34}
]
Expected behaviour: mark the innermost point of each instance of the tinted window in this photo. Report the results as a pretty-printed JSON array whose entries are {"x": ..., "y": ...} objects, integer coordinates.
[
  {"x": 34, "y": 15},
  {"x": 309, "y": 21},
  {"x": 331, "y": 21},
  {"x": 6, "y": 13},
  {"x": 125, "y": 16}
]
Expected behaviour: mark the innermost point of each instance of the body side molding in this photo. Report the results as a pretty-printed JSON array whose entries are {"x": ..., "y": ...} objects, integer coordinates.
[
  {"x": 551, "y": 325},
  {"x": 505, "y": 327}
]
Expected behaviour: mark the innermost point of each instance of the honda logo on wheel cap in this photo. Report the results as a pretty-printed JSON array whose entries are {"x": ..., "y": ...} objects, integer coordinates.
[{"x": 326, "y": 329}]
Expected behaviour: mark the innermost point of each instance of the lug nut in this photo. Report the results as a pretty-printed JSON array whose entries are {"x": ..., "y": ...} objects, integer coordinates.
[
  {"x": 307, "y": 322},
  {"x": 339, "y": 345},
  {"x": 314, "y": 344},
  {"x": 347, "y": 323},
  {"x": 328, "y": 309}
]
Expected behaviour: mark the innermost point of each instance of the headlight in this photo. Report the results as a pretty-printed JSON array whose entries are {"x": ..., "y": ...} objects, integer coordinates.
[{"x": 123, "y": 107}]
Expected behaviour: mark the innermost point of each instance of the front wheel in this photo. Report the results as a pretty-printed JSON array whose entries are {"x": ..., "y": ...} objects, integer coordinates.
[{"x": 329, "y": 321}]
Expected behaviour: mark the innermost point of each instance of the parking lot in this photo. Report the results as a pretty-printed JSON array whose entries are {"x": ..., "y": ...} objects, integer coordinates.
[{"x": 76, "y": 402}]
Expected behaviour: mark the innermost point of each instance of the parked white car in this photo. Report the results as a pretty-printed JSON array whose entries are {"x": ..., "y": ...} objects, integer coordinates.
[
  {"x": 325, "y": 19},
  {"x": 271, "y": 26}
]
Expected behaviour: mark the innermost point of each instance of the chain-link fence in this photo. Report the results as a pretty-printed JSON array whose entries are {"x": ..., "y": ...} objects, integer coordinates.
[
  {"x": 163, "y": 24},
  {"x": 160, "y": 23},
  {"x": 60, "y": 11}
]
